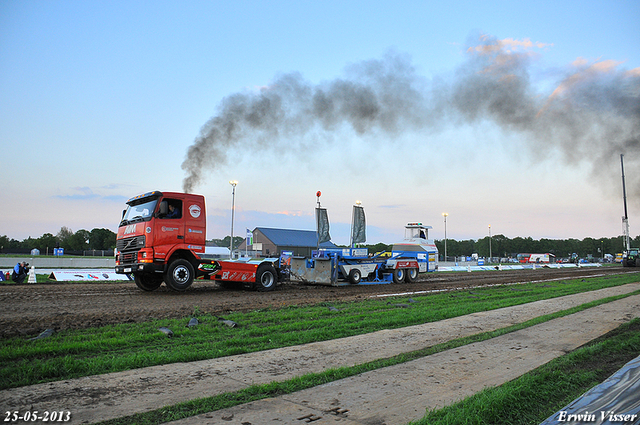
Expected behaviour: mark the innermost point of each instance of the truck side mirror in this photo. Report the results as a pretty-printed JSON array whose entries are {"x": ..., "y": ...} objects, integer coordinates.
[{"x": 123, "y": 213}]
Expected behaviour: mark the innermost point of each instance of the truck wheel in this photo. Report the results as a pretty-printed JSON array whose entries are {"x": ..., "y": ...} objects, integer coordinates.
[
  {"x": 266, "y": 278},
  {"x": 398, "y": 276},
  {"x": 179, "y": 275},
  {"x": 147, "y": 282},
  {"x": 412, "y": 275},
  {"x": 355, "y": 276}
]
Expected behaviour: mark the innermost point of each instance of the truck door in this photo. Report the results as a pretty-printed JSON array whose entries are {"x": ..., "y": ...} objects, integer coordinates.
[
  {"x": 195, "y": 223},
  {"x": 169, "y": 229}
]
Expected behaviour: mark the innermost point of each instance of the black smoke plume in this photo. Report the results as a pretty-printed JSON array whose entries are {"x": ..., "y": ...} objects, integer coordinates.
[{"x": 591, "y": 114}]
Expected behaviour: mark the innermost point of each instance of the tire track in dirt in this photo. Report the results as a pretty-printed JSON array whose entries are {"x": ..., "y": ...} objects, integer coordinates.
[
  {"x": 103, "y": 397},
  {"x": 29, "y": 309}
]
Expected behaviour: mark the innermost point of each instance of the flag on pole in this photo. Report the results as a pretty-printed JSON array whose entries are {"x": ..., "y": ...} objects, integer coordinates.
[
  {"x": 322, "y": 220},
  {"x": 359, "y": 227},
  {"x": 249, "y": 237}
]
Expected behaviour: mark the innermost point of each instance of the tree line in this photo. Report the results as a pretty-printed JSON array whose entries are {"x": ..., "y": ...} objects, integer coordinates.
[
  {"x": 82, "y": 240},
  {"x": 501, "y": 246},
  {"x": 498, "y": 245},
  {"x": 504, "y": 247}
]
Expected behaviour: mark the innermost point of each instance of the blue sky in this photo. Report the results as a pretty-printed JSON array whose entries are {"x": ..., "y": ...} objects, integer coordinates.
[{"x": 100, "y": 101}]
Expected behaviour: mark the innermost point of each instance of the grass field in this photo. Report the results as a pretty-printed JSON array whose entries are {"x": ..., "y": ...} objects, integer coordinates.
[{"x": 72, "y": 354}]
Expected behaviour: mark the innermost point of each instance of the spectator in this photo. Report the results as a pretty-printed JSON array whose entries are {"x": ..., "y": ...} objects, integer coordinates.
[
  {"x": 20, "y": 272},
  {"x": 173, "y": 212}
]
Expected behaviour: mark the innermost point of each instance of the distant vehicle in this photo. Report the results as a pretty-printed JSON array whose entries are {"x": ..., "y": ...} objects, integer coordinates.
[
  {"x": 535, "y": 258},
  {"x": 618, "y": 257},
  {"x": 631, "y": 258}
]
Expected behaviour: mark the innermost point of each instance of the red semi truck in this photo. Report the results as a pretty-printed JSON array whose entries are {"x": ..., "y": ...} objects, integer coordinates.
[{"x": 161, "y": 238}]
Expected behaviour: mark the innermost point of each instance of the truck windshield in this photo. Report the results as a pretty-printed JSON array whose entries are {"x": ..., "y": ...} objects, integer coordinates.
[{"x": 139, "y": 212}]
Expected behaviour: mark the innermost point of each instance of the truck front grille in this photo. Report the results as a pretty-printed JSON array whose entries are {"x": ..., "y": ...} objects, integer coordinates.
[
  {"x": 129, "y": 257},
  {"x": 130, "y": 244},
  {"x": 129, "y": 248}
]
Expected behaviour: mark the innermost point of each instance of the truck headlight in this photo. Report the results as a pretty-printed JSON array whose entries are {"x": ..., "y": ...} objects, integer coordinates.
[{"x": 145, "y": 256}]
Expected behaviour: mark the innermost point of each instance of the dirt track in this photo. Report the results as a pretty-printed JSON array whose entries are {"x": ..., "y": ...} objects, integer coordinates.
[
  {"x": 29, "y": 309},
  {"x": 392, "y": 395}
]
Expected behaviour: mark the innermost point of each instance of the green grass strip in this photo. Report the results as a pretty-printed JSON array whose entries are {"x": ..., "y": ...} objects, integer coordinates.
[
  {"x": 535, "y": 396},
  {"x": 274, "y": 389},
  {"x": 76, "y": 353}
]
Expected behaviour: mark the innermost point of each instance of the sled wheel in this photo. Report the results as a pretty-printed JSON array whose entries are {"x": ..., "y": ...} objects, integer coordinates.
[
  {"x": 398, "y": 276},
  {"x": 355, "y": 276},
  {"x": 412, "y": 275},
  {"x": 266, "y": 278}
]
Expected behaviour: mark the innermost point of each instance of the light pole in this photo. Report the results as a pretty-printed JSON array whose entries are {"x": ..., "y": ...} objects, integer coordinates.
[
  {"x": 445, "y": 235},
  {"x": 490, "y": 254},
  {"x": 233, "y": 183}
]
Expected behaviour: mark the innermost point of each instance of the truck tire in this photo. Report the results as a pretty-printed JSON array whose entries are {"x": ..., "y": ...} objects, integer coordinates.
[
  {"x": 399, "y": 275},
  {"x": 412, "y": 275},
  {"x": 179, "y": 275},
  {"x": 147, "y": 282},
  {"x": 355, "y": 276},
  {"x": 266, "y": 278}
]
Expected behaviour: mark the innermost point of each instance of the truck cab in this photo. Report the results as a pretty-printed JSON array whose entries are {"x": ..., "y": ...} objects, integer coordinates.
[{"x": 160, "y": 237}]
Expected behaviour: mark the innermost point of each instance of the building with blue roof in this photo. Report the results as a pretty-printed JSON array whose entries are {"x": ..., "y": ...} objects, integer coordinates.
[{"x": 271, "y": 242}]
